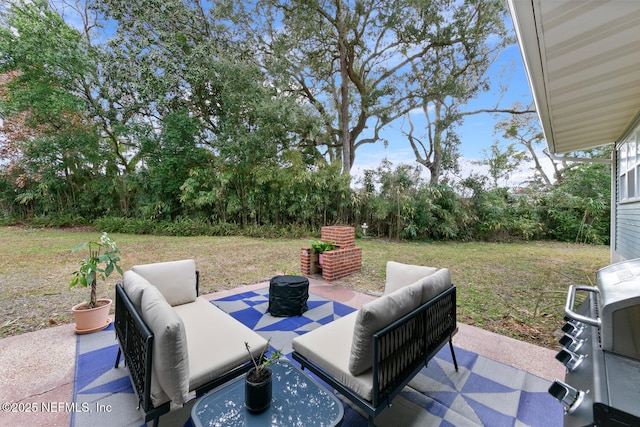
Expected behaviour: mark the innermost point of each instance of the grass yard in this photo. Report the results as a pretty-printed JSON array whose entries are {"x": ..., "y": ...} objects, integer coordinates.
[{"x": 515, "y": 289}]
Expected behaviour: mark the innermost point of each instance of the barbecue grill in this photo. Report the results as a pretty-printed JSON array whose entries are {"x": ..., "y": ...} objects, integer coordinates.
[{"x": 601, "y": 350}]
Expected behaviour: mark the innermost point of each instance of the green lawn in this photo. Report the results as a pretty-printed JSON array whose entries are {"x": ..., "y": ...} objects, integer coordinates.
[{"x": 516, "y": 289}]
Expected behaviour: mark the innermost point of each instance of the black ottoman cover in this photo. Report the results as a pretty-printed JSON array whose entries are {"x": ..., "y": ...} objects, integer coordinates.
[{"x": 288, "y": 295}]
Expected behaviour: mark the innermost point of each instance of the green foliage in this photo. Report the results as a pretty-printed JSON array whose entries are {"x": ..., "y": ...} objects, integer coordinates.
[
  {"x": 57, "y": 220},
  {"x": 52, "y": 60},
  {"x": 503, "y": 164},
  {"x": 573, "y": 218},
  {"x": 201, "y": 129},
  {"x": 439, "y": 214},
  {"x": 198, "y": 227},
  {"x": 575, "y": 209},
  {"x": 169, "y": 157},
  {"x": 321, "y": 247},
  {"x": 578, "y": 208},
  {"x": 398, "y": 203}
]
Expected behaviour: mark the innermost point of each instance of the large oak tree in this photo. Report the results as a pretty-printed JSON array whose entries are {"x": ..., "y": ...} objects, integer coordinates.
[{"x": 363, "y": 64}]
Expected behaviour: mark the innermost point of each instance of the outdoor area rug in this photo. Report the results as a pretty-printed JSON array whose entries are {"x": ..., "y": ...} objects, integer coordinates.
[{"x": 482, "y": 393}]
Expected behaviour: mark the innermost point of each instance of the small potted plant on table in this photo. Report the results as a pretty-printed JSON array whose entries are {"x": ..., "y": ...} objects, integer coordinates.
[
  {"x": 258, "y": 385},
  {"x": 93, "y": 315}
]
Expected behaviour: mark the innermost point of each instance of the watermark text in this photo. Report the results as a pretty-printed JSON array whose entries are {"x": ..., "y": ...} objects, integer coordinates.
[{"x": 53, "y": 407}]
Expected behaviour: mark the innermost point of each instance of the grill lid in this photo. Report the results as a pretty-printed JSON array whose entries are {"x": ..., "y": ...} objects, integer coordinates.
[
  {"x": 621, "y": 273},
  {"x": 619, "y": 284},
  {"x": 619, "y": 307}
]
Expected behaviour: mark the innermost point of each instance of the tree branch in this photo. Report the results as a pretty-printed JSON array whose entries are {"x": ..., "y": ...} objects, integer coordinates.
[{"x": 497, "y": 110}]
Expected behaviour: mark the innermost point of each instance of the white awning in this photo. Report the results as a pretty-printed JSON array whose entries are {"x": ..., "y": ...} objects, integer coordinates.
[{"x": 583, "y": 63}]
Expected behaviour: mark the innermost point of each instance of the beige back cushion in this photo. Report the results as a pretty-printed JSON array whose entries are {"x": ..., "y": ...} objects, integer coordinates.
[
  {"x": 134, "y": 285},
  {"x": 176, "y": 280},
  {"x": 435, "y": 284},
  {"x": 170, "y": 355},
  {"x": 399, "y": 275},
  {"x": 373, "y": 317}
]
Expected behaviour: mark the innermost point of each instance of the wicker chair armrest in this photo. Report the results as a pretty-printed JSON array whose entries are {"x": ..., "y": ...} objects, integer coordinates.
[
  {"x": 404, "y": 347},
  {"x": 136, "y": 342}
]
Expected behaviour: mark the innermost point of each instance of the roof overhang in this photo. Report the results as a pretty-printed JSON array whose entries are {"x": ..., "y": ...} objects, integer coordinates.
[{"x": 582, "y": 60}]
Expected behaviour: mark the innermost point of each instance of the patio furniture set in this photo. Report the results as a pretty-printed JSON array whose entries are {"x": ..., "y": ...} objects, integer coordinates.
[{"x": 177, "y": 345}]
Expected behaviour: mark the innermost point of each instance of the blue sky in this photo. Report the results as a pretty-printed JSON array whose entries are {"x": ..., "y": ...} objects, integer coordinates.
[{"x": 477, "y": 131}]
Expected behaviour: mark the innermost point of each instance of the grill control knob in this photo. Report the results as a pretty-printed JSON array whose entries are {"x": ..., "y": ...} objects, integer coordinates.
[
  {"x": 570, "y": 397},
  {"x": 570, "y": 359},
  {"x": 574, "y": 329},
  {"x": 571, "y": 343},
  {"x": 570, "y": 320}
]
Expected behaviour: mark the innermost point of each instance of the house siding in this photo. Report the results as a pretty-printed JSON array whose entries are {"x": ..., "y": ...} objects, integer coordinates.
[
  {"x": 626, "y": 211},
  {"x": 628, "y": 230}
]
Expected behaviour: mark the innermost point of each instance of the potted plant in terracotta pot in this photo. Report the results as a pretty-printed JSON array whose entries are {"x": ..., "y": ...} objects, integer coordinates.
[
  {"x": 93, "y": 315},
  {"x": 258, "y": 385}
]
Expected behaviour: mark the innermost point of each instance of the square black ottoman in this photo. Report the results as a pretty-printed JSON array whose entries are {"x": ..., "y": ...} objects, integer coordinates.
[{"x": 288, "y": 295}]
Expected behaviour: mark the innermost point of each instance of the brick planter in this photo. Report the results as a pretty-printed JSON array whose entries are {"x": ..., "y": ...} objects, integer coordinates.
[
  {"x": 345, "y": 237},
  {"x": 337, "y": 263}
]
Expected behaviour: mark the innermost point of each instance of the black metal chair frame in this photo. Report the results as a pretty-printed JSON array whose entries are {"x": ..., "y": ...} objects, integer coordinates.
[
  {"x": 136, "y": 344},
  {"x": 400, "y": 351}
]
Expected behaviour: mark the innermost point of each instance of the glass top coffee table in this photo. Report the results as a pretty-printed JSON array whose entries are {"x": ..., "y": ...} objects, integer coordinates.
[{"x": 298, "y": 400}]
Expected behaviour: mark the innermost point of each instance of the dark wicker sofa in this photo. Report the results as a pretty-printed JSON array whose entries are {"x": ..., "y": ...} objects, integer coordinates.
[
  {"x": 369, "y": 356},
  {"x": 176, "y": 345}
]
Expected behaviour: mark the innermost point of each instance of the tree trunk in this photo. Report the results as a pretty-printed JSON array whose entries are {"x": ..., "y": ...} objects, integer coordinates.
[
  {"x": 93, "y": 298},
  {"x": 344, "y": 91},
  {"x": 538, "y": 166},
  {"x": 436, "y": 165},
  {"x": 429, "y": 158}
]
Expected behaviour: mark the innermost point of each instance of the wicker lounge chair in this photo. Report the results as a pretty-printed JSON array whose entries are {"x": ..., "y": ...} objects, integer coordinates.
[{"x": 371, "y": 354}]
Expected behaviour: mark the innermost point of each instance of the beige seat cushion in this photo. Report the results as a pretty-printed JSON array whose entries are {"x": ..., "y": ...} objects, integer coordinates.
[
  {"x": 375, "y": 316},
  {"x": 134, "y": 285},
  {"x": 170, "y": 356},
  {"x": 329, "y": 346},
  {"x": 175, "y": 279},
  {"x": 434, "y": 284},
  {"x": 399, "y": 275},
  {"x": 215, "y": 340}
]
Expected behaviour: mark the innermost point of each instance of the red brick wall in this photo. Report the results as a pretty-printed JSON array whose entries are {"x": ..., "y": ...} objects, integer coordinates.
[
  {"x": 341, "y": 263},
  {"x": 345, "y": 237},
  {"x": 308, "y": 262},
  {"x": 305, "y": 261}
]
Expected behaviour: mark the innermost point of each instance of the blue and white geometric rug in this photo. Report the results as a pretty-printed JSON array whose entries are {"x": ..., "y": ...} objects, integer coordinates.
[{"x": 482, "y": 393}]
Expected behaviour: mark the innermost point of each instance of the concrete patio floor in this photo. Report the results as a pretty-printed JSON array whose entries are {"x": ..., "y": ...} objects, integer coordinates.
[{"x": 37, "y": 368}]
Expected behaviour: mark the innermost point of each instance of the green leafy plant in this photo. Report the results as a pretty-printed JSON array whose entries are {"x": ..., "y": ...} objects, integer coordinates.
[
  {"x": 320, "y": 247},
  {"x": 259, "y": 373},
  {"x": 102, "y": 261}
]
